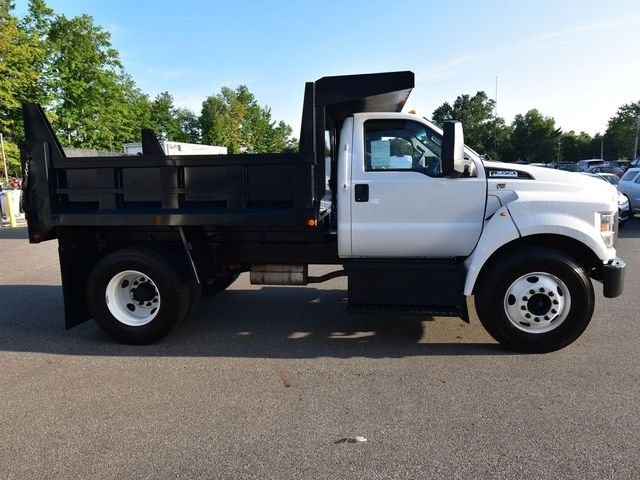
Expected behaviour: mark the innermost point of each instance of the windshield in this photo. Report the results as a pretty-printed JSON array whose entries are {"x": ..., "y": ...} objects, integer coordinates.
[
  {"x": 611, "y": 169},
  {"x": 612, "y": 179}
]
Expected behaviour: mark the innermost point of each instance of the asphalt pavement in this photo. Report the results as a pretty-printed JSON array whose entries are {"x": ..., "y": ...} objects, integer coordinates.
[{"x": 268, "y": 382}]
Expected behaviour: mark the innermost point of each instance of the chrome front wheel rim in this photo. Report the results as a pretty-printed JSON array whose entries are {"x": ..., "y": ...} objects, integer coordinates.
[{"x": 537, "y": 302}]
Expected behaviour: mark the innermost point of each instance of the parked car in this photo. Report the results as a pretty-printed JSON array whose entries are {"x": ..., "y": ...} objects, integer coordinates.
[
  {"x": 618, "y": 171},
  {"x": 569, "y": 167},
  {"x": 630, "y": 186},
  {"x": 623, "y": 201},
  {"x": 585, "y": 165},
  {"x": 610, "y": 177},
  {"x": 624, "y": 164}
]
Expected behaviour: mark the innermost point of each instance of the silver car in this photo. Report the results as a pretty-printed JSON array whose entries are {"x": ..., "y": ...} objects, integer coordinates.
[
  {"x": 623, "y": 200},
  {"x": 629, "y": 185}
]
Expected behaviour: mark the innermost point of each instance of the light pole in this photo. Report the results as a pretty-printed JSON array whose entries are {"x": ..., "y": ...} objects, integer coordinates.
[{"x": 635, "y": 145}]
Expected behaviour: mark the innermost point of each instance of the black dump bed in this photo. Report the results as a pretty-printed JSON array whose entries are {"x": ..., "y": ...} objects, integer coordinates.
[{"x": 154, "y": 189}]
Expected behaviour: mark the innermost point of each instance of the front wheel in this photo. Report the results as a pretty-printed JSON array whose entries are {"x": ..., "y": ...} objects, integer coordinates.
[
  {"x": 137, "y": 295},
  {"x": 536, "y": 300}
]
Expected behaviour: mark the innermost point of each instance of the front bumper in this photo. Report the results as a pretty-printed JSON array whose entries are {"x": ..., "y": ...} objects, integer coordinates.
[{"x": 613, "y": 278}]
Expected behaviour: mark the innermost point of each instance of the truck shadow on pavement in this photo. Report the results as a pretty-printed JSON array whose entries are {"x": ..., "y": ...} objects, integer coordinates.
[{"x": 271, "y": 322}]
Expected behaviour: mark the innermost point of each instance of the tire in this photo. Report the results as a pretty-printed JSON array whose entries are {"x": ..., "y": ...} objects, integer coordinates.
[
  {"x": 218, "y": 284},
  {"x": 137, "y": 296},
  {"x": 513, "y": 289}
]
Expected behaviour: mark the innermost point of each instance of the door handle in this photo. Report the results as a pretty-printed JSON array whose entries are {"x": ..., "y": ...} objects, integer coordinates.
[{"x": 362, "y": 192}]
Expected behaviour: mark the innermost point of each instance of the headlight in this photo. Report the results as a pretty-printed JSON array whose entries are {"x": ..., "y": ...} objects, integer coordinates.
[{"x": 607, "y": 227}]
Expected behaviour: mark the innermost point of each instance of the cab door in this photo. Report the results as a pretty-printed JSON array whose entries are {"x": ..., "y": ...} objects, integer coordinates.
[{"x": 401, "y": 204}]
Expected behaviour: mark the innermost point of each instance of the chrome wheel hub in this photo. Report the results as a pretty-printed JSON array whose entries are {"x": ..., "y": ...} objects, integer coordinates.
[
  {"x": 537, "y": 302},
  {"x": 132, "y": 298}
]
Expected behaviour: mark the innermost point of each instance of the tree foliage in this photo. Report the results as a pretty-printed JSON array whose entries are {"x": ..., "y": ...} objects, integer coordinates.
[
  {"x": 70, "y": 67},
  {"x": 234, "y": 119},
  {"x": 483, "y": 131},
  {"x": 19, "y": 56},
  {"x": 621, "y": 131},
  {"x": 535, "y": 137}
]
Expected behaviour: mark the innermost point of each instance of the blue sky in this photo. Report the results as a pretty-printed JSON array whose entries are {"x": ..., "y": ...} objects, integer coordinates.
[{"x": 577, "y": 61}]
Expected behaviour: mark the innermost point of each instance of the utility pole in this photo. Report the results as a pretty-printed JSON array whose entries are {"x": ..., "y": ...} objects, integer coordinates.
[
  {"x": 602, "y": 148},
  {"x": 635, "y": 145},
  {"x": 495, "y": 118},
  {"x": 4, "y": 160}
]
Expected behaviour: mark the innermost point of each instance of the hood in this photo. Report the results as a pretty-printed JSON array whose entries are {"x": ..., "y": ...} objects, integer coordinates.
[
  {"x": 550, "y": 179},
  {"x": 541, "y": 185}
]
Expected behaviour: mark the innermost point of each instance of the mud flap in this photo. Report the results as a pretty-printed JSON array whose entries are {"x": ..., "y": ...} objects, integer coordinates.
[{"x": 78, "y": 253}]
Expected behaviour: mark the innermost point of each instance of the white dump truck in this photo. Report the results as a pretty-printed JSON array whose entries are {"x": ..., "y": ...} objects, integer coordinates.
[{"x": 416, "y": 221}]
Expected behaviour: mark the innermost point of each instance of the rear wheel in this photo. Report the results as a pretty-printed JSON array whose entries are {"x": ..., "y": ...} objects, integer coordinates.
[
  {"x": 535, "y": 300},
  {"x": 137, "y": 295}
]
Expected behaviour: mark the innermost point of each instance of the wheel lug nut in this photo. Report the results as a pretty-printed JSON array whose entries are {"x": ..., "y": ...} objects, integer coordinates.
[
  {"x": 537, "y": 320},
  {"x": 542, "y": 289},
  {"x": 523, "y": 307},
  {"x": 551, "y": 294},
  {"x": 532, "y": 292},
  {"x": 554, "y": 311},
  {"x": 546, "y": 317},
  {"x": 528, "y": 315},
  {"x": 524, "y": 299},
  {"x": 555, "y": 302}
]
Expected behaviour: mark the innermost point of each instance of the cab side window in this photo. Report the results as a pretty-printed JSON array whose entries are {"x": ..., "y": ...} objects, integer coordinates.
[{"x": 402, "y": 145}]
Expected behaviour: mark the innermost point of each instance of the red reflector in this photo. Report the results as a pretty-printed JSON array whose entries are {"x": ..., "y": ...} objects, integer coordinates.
[{"x": 36, "y": 236}]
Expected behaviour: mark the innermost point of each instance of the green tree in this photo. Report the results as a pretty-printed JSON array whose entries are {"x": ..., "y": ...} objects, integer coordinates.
[
  {"x": 188, "y": 126},
  {"x": 574, "y": 147},
  {"x": 483, "y": 131},
  {"x": 18, "y": 77},
  {"x": 172, "y": 123},
  {"x": 89, "y": 101},
  {"x": 163, "y": 120},
  {"x": 20, "y": 53},
  {"x": 534, "y": 137},
  {"x": 36, "y": 24},
  {"x": 234, "y": 119},
  {"x": 621, "y": 131}
]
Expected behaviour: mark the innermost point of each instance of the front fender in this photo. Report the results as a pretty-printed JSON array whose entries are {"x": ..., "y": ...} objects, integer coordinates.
[
  {"x": 559, "y": 223},
  {"x": 498, "y": 231}
]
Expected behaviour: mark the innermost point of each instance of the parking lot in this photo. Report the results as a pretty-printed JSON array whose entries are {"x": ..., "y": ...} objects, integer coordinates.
[{"x": 265, "y": 382}]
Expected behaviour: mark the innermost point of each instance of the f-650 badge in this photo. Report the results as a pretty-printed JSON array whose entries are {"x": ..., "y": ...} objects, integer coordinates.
[{"x": 503, "y": 173}]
